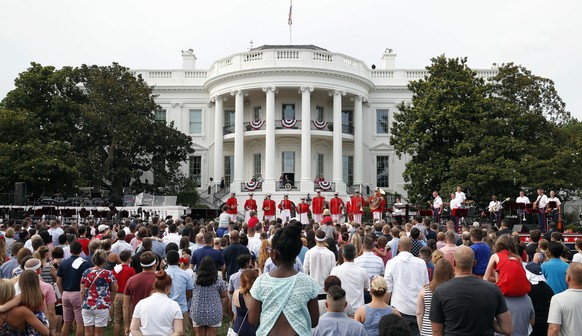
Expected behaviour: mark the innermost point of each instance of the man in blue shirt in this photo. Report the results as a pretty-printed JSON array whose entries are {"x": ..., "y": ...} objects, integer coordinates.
[
  {"x": 482, "y": 252},
  {"x": 555, "y": 269},
  {"x": 207, "y": 250},
  {"x": 335, "y": 321},
  {"x": 182, "y": 285},
  {"x": 232, "y": 252}
]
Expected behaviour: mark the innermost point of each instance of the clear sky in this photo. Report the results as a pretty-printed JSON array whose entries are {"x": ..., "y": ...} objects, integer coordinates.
[{"x": 544, "y": 36}]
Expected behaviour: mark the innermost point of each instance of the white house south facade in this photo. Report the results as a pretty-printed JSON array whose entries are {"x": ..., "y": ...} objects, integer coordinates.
[{"x": 287, "y": 116}]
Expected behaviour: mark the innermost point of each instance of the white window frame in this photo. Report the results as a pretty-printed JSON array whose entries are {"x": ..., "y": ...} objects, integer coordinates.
[{"x": 387, "y": 110}]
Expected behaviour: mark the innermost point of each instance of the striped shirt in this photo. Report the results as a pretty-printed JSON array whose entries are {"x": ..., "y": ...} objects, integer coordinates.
[{"x": 371, "y": 263}]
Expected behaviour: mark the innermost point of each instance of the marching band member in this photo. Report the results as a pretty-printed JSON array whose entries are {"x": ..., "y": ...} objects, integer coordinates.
[
  {"x": 358, "y": 204},
  {"x": 250, "y": 205},
  {"x": 336, "y": 205},
  {"x": 453, "y": 205},
  {"x": 553, "y": 212},
  {"x": 540, "y": 204},
  {"x": 460, "y": 196},
  {"x": 437, "y": 206},
  {"x": 302, "y": 210},
  {"x": 317, "y": 205},
  {"x": 285, "y": 206},
  {"x": 269, "y": 208},
  {"x": 349, "y": 208},
  {"x": 494, "y": 210},
  {"x": 522, "y": 199},
  {"x": 232, "y": 204},
  {"x": 377, "y": 204}
]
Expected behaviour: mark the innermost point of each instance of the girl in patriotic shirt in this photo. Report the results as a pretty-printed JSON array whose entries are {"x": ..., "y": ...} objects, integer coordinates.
[{"x": 98, "y": 288}]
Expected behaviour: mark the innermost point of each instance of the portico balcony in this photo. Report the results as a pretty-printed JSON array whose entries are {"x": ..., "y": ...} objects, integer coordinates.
[{"x": 249, "y": 126}]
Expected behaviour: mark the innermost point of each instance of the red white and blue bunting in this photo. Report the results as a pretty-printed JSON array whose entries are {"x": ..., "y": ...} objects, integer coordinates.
[
  {"x": 251, "y": 185},
  {"x": 289, "y": 123},
  {"x": 320, "y": 124},
  {"x": 325, "y": 185},
  {"x": 257, "y": 124}
]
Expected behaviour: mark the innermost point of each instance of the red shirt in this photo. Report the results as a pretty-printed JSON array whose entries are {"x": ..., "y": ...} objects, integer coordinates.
[
  {"x": 269, "y": 207},
  {"x": 250, "y": 204},
  {"x": 122, "y": 277},
  {"x": 381, "y": 205},
  {"x": 232, "y": 206},
  {"x": 252, "y": 222},
  {"x": 358, "y": 203},
  {"x": 285, "y": 204},
  {"x": 317, "y": 204},
  {"x": 139, "y": 287},
  {"x": 85, "y": 244},
  {"x": 302, "y": 208},
  {"x": 129, "y": 237},
  {"x": 335, "y": 205}
]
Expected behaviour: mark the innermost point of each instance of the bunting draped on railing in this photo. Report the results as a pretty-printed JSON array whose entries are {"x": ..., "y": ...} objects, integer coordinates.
[
  {"x": 320, "y": 124},
  {"x": 257, "y": 124},
  {"x": 289, "y": 123},
  {"x": 251, "y": 185},
  {"x": 325, "y": 185}
]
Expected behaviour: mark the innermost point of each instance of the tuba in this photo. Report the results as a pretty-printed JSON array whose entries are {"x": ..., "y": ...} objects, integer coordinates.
[{"x": 375, "y": 202}]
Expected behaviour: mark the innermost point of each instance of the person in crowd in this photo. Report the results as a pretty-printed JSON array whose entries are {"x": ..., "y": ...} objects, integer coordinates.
[
  {"x": 98, "y": 289},
  {"x": 541, "y": 294},
  {"x": 450, "y": 247},
  {"x": 454, "y": 302},
  {"x": 368, "y": 261},
  {"x": 482, "y": 252},
  {"x": 157, "y": 314},
  {"x": 69, "y": 276},
  {"x": 335, "y": 321},
  {"x": 182, "y": 284},
  {"x": 240, "y": 298},
  {"x": 578, "y": 256},
  {"x": 426, "y": 255},
  {"x": 354, "y": 278},
  {"x": 406, "y": 275},
  {"x": 554, "y": 269},
  {"x": 207, "y": 250},
  {"x": 444, "y": 272},
  {"x": 329, "y": 282},
  {"x": 565, "y": 316},
  {"x": 370, "y": 314},
  {"x": 121, "y": 245},
  {"x": 139, "y": 286},
  {"x": 19, "y": 320},
  {"x": 232, "y": 252},
  {"x": 417, "y": 242},
  {"x": 319, "y": 260},
  {"x": 270, "y": 295},
  {"x": 505, "y": 268},
  {"x": 122, "y": 273},
  {"x": 393, "y": 325},
  {"x": 209, "y": 299},
  {"x": 8, "y": 267}
]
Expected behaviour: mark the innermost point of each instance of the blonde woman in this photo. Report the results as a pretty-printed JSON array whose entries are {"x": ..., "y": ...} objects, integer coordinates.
[
  {"x": 264, "y": 253},
  {"x": 370, "y": 314},
  {"x": 19, "y": 320},
  {"x": 357, "y": 242}
]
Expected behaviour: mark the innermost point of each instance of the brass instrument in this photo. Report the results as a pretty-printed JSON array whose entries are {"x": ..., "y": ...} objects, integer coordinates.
[
  {"x": 375, "y": 202},
  {"x": 361, "y": 205}
]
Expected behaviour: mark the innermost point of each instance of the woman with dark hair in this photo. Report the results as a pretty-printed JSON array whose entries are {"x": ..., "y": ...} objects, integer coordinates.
[
  {"x": 19, "y": 320},
  {"x": 443, "y": 272},
  {"x": 240, "y": 298},
  {"x": 393, "y": 325},
  {"x": 98, "y": 288},
  {"x": 158, "y": 315},
  {"x": 310, "y": 236},
  {"x": 284, "y": 300},
  {"x": 209, "y": 299}
]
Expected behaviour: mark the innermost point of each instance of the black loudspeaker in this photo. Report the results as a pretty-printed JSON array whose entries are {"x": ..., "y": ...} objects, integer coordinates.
[
  {"x": 517, "y": 228},
  {"x": 530, "y": 227},
  {"x": 19, "y": 193}
]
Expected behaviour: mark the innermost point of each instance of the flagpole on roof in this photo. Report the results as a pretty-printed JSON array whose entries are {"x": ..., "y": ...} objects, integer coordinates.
[{"x": 290, "y": 22}]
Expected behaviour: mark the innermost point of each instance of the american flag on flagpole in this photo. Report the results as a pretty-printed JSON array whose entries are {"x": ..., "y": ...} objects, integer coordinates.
[{"x": 290, "y": 21}]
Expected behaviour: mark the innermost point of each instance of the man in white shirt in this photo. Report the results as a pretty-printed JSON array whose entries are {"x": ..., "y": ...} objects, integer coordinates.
[
  {"x": 437, "y": 206},
  {"x": 460, "y": 196},
  {"x": 540, "y": 204},
  {"x": 55, "y": 231},
  {"x": 494, "y": 210},
  {"x": 353, "y": 277},
  {"x": 172, "y": 236},
  {"x": 553, "y": 209},
  {"x": 121, "y": 244},
  {"x": 319, "y": 260},
  {"x": 524, "y": 200},
  {"x": 405, "y": 275},
  {"x": 453, "y": 205},
  {"x": 565, "y": 316}
]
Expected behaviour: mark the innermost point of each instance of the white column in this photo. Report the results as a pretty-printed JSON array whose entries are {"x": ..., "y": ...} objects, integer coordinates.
[
  {"x": 306, "y": 176},
  {"x": 218, "y": 139},
  {"x": 358, "y": 142},
  {"x": 238, "y": 141},
  {"x": 269, "y": 176},
  {"x": 337, "y": 140}
]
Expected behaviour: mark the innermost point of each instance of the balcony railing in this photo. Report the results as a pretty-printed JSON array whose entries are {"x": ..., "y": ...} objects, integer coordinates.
[{"x": 250, "y": 126}]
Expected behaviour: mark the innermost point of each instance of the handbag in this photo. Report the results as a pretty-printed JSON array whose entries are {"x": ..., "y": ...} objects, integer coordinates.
[{"x": 231, "y": 331}]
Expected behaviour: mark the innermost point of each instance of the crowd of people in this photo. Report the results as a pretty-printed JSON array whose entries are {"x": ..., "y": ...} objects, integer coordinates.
[{"x": 181, "y": 277}]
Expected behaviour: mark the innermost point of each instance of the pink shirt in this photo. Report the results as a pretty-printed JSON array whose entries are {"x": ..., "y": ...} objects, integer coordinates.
[
  {"x": 49, "y": 293},
  {"x": 449, "y": 252}
]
